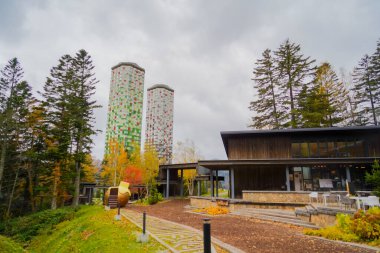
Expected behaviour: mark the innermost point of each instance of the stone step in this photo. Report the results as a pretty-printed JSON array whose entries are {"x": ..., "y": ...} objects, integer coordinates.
[
  {"x": 274, "y": 215},
  {"x": 285, "y": 214}
]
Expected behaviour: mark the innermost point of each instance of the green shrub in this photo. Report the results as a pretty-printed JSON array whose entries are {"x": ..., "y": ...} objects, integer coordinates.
[
  {"x": 154, "y": 196},
  {"x": 23, "y": 229},
  {"x": 362, "y": 227},
  {"x": 367, "y": 225}
]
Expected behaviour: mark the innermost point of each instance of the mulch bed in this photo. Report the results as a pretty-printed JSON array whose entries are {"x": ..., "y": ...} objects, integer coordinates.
[{"x": 248, "y": 234}]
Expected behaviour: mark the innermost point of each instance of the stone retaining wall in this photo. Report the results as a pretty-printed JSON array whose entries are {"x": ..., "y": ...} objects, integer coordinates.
[{"x": 278, "y": 196}]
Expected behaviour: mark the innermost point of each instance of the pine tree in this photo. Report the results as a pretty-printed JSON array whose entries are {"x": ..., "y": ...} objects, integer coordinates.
[
  {"x": 266, "y": 105},
  {"x": 11, "y": 75},
  {"x": 366, "y": 90},
  {"x": 293, "y": 71},
  {"x": 327, "y": 82},
  {"x": 82, "y": 107},
  {"x": 314, "y": 107},
  {"x": 375, "y": 64},
  {"x": 57, "y": 93}
]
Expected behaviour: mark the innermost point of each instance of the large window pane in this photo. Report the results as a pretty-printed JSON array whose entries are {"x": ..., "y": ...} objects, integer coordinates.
[
  {"x": 304, "y": 149},
  {"x": 323, "y": 149},
  {"x": 331, "y": 149},
  {"x": 313, "y": 147},
  {"x": 296, "y": 151},
  {"x": 341, "y": 149}
]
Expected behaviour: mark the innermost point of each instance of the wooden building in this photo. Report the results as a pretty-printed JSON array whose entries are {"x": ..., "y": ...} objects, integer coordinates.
[{"x": 309, "y": 159}]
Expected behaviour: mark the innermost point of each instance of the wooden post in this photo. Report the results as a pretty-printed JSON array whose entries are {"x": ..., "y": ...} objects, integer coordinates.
[
  {"x": 212, "y": 183},
  {"x": 287, "y": 178},
  {"x": 199, "y": 187},
  {"x": 167, "y": 182},
  {"x": 348, "y": 174},
  {"x": 232, "y": 184},
  {"x": 181, "y": 189},
  {"x": 217, "y": 183}
]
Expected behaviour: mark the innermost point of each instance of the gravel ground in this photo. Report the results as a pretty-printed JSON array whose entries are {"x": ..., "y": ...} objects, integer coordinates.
[{"x": 248, "y": 234}]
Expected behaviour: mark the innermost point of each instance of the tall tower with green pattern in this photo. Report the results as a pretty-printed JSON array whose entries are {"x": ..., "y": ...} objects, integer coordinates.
[{"x": 125, "y": 106}]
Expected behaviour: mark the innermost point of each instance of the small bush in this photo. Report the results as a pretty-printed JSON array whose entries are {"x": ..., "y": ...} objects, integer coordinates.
[
  {"x": 22, "y": 229},
  {"x": 213, "y": 210},
  {"x": 154, "y": 196},
  {"x": 362, "y": 227}
]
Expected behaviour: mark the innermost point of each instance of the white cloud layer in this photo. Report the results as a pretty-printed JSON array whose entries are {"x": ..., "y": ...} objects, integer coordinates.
[{"x": 205, "y": 50}]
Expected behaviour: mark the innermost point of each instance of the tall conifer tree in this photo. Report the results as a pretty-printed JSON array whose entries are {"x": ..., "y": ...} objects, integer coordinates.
[
  {"x": 82, "y": 108},
  {"x": 293, "y": 72},
  {"x": 11, "y": 75},
  {"x": 266, "y": 106},
  {"x": 366, "y": 90}
]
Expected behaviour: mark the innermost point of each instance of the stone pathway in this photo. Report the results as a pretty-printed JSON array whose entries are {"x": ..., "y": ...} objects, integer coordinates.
[{"x": 174, "y": 236}]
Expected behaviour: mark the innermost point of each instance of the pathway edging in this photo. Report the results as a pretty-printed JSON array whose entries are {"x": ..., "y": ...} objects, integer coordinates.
[{"x": 214, "y": 240}]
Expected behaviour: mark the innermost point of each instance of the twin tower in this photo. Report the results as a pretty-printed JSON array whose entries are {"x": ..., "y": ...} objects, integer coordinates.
[{"x": 125, "y": 111}]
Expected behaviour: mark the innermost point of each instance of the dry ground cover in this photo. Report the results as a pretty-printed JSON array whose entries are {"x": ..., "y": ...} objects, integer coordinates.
[{"x": 248, "y": 234}]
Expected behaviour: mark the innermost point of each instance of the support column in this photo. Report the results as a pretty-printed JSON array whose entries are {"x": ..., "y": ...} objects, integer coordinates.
[
  {"x": 181, "y": 189},
  {"x": 199, "y": 188},
  {"x": 232, "y": 186},
  {"x": 348, "y": 174},
  {"x": 217, "y": 183},
  {"x": 212, "y": 183},
  {"x": 287, "y": 179},
  {"x": 167, "y": 182}
]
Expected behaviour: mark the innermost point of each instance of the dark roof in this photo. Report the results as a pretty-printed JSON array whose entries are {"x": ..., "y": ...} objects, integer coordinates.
[
  {"x": 292, "y": 131},
  {"x": 163, "y": 86},
  {"x": 131, "y": 64},
  {"x": 228, "y": 164}
]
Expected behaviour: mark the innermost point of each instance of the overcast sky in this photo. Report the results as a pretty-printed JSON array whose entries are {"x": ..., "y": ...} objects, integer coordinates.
[{"x": 205, "y": 50}]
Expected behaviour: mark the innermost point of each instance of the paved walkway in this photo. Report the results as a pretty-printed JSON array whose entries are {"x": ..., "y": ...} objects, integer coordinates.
[{"x": 176, "y": 237}]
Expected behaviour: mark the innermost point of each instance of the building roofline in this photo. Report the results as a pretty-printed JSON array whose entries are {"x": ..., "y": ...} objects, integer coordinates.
[
  {"x": 131, "y": 64},
  {"x": 226, "y": 134},
  {"x": 160, "y": 85}
]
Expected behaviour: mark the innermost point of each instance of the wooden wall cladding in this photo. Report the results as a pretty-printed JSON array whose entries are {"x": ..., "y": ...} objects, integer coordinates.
[
  {"x": 374, "y": 146},
  {"x": 260, "y": 147},
  {"x": 266, "y": 178}
]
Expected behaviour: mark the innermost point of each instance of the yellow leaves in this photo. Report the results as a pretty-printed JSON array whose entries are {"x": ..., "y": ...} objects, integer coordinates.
[
  {"x": 116, "y": 163},
  {"x": 213, "y": 210},
  {"x": 89, "y": 170}
]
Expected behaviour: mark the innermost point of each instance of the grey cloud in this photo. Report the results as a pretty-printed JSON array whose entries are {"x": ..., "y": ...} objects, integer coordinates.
[{"x": 205, "y": 50}]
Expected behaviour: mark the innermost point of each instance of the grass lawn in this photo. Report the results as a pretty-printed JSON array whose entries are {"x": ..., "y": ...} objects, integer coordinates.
[
  {"x": 222, "y": 193},
  {"x": 91, "y": 229},
  {"x": 8, "y": 245}
]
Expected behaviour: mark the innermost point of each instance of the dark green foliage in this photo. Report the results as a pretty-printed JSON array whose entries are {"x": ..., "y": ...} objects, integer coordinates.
[
  {"x": 365, "y": 90},
  {"x": 294, "y": 71},
  {"x": 154, "y": 196},
  {"x": 373, "y": 178},
  {"x": 325, "y": 103},
  {"x": 314, "y": 105},
  {"x": 279, "y": 81},
  {"x": 266, "y": 105},
  {"x": 23, "y": 229}
]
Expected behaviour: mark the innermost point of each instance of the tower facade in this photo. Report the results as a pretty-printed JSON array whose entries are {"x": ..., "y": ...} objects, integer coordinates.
[
  {"x": 159, "y": 120},
  {"x": 125, "y": 105}
]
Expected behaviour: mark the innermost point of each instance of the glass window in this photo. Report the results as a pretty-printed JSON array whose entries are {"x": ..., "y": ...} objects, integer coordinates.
[
  {"x": 296, "y": 152},
  {"x": 313, "y": 147},
  {"x": 331, "y": 149},
  {"x": 323, "y": 149},
  {"x": 306, "y": 172},
  {"x": 304, "y": 149},
  {"x": 358, "y": 149},
  {"x": 341, "y": 149}
]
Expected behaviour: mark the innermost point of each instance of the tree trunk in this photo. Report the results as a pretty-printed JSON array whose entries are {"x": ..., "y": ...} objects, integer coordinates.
[
  {"x": 11, "y": 196},
  {"x": 56, "y": 174},
  {"x": 30, "y": 188},
  {"x": 77, "y": 174},
  {"x": 2, "y": 163}
]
